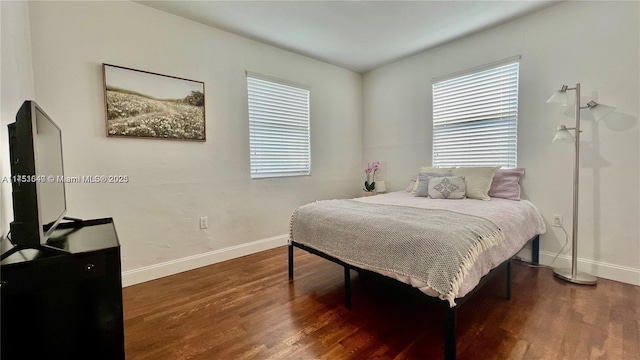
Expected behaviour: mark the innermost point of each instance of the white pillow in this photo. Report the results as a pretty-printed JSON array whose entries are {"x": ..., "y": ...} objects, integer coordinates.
[
  {"x": 431, "y": 170},
  {"x": 477, "y": 179},
  {"x": 412, "y": 183}
]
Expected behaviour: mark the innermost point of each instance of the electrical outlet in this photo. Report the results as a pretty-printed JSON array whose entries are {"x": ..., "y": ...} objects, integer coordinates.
[
  {"x": 204, "y": 222},
  {"x": 557, "y": 220}
]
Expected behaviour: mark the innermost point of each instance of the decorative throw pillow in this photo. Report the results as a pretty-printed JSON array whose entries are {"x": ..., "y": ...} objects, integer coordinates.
[
  {"x": 423, "y": 182},
  {"x": 450, "y": 187},
  {"x": 446, "y": 171},
  {"x": 477, "y": 179},
  {"x": 506, "y": 184}
]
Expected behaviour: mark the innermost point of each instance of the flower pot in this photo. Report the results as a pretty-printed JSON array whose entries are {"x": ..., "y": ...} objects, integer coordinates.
[{"x": 369, "y": 193}]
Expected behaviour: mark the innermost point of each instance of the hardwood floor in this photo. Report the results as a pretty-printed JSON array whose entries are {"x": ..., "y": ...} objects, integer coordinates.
[{"x": 247, "y": 309}]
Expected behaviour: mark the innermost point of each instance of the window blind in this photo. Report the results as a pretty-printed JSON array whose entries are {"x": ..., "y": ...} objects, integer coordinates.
[
  {"x": 279, "y": 138},
  {"x": 475, "y": 118}
]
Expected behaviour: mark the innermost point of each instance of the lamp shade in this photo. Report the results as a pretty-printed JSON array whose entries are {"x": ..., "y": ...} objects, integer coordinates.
[
  {"x": 560, "y": 97},
  {"x": 563, "y": 135},
  {"x": 599, "y": 111}
]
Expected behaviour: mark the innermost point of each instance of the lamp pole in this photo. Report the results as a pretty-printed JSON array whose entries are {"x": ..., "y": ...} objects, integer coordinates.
[
  {"x": 576, "y": 188},
  {"x": 573, "y": 275}
]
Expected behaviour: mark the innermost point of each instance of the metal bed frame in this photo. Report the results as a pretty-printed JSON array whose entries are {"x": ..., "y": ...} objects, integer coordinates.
[{"x": 450, "y": 313}]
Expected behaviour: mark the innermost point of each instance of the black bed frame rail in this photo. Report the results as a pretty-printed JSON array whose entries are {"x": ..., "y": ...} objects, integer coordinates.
[{"x": 450, "y": 313}]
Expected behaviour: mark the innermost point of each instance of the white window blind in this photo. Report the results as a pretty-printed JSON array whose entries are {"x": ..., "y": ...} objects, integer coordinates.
[
  {"x": 475, "y": 118},
  {"x": 279, "y": 138}
]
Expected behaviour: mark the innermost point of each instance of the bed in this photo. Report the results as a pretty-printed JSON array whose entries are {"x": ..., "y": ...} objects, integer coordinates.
[{"x": 447, "y": 249}]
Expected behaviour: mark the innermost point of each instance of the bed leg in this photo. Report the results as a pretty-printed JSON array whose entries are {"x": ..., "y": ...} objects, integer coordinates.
[
  {"x": 290, "y": 261},
  {"x": 535, "y": 250},
  {"x": 509, "y": 279},
  {"x": 450, "y": 333},
  {"x": 347, "y": 287}
]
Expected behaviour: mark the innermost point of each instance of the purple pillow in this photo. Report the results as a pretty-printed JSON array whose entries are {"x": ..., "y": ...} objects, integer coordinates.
[{"x": 506, "y": 184}]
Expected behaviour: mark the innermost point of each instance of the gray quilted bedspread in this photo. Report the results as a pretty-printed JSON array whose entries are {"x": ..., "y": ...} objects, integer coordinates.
[{"x": 435, "y": 246}]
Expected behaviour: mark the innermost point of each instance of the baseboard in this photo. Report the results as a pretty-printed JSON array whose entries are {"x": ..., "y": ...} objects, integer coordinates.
[
  {"x": 597, "y": 268},
  {"x": 148, "y": 273}
]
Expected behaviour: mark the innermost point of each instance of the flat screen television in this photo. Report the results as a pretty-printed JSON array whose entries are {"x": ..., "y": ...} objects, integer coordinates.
[{"x": 37, "y": 173}]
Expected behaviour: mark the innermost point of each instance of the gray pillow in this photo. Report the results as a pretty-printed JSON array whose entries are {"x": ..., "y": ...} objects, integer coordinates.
[
  {"x": 431, "y": 170},
  {"x": 451, "y": 187},
  {"x": 423, "y": 183}
]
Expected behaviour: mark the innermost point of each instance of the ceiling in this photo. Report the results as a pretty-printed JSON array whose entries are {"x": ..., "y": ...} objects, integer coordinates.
[{"x": 357, "y": 35}]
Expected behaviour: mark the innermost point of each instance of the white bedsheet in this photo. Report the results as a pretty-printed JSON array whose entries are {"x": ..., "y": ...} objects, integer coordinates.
[{"x": 519, "y": 220}]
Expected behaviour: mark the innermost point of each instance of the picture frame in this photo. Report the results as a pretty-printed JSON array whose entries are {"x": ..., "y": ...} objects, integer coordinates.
[{"x": 146, "y": 105}]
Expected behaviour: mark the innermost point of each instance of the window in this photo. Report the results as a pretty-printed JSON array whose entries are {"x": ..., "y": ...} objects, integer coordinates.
[
  {"x": 279, "y": 137},
  {"x": 475, "y": 117}
]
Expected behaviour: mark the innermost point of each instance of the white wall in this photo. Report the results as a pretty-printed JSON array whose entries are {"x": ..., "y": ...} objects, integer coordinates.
[
  {"x": 173, "y": 183},
  {"x": 594, "y": 43},
  {"x": 16, "y": 85}
]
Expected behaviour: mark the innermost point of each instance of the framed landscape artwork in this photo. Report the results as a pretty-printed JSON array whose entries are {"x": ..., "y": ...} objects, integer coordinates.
[{"x": 146, "y": 105}]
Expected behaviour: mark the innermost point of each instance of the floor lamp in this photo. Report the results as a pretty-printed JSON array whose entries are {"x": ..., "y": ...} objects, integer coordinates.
[{"x": 598, "y": 111}]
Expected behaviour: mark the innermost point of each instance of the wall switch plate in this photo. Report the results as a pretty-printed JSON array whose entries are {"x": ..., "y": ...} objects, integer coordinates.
[
  {"x": 557, "y": 220},
  {"x": 204, "y": 222}
]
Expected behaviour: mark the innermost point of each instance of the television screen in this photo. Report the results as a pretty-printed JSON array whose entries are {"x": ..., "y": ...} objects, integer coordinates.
[
  {"x": 39, "y": 204},
  {"x": 51, "y": 194}
]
